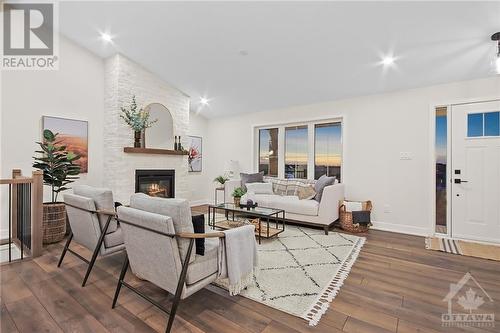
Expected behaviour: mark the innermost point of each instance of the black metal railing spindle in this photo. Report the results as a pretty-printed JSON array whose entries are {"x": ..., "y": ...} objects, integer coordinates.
[{"x": 10, "y": 222}]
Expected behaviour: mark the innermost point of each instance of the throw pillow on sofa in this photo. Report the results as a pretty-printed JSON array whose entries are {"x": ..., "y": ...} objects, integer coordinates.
[
  {"x": 260, "y": 188},
  {"x": 320, "y": 185},
  {"x": 280, "y": 186},
  {"x": 251, "y": 178},
  {"x": 306, "y": 192}
]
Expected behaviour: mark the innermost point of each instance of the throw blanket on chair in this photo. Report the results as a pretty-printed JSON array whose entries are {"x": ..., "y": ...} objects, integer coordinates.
[{"x": 237, "y": 258}]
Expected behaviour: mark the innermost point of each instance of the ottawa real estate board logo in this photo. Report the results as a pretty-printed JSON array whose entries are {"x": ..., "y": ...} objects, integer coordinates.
[
  {"x": 30, "y": 39},
  {"x": 468, "y": 305}
]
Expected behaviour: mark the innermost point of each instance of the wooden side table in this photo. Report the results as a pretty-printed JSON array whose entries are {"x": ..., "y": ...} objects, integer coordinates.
[{"x": 218, "y": 189}]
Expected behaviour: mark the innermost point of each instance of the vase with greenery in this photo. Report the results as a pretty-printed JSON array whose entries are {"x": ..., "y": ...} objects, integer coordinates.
[
  {"x": 237, "y": 194},
  {"x": 138, "y": 119},
  {"x": 59, "y": 170},
  {"x": 221, "y": 180}
]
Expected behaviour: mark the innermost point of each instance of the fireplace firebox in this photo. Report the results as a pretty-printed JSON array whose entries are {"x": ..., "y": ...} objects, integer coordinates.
[{"x": 156, "y": 183}]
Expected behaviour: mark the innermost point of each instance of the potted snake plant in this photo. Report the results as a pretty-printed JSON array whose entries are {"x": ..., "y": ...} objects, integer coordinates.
[{"x": 59, "y": 170}]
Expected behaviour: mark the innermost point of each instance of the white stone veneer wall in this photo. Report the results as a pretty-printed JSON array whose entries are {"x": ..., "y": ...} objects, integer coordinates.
[{"x": 124, "y": 78}]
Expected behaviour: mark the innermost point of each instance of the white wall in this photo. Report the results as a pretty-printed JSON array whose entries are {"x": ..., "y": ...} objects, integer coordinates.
[
  {"x": 74, "y": 91},
  {"x": 200, "y": 185},
  {"x": 376, "y": 129}
]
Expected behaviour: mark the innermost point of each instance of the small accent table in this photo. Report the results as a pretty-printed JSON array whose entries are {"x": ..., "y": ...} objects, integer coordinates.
[
  {"x": 217, "y": 189},
  {"x": 264, "y": 214}
]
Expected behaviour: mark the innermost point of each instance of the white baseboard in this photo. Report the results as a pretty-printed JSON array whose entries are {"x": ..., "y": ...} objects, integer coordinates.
[
  {"x": 400, "y": 228},
  {"x": 198, "y": 202}
]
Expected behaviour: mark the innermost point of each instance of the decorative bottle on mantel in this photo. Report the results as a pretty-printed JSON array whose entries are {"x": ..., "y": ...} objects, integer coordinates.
[
  {"x": 179, "y": 146},
  {"x": 175, "y": 144}
]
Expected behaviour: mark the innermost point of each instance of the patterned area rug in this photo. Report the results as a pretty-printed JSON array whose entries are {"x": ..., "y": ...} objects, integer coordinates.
[{"x": 302, "y": 270}]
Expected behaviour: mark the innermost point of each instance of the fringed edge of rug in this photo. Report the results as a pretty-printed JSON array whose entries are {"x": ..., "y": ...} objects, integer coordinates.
[{"x": 322, "y": 303}]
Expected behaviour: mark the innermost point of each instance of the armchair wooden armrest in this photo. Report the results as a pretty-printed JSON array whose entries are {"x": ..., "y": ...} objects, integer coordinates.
[
  {"x": 205, "y": 235},
  {"x": 106, "y": 212}
]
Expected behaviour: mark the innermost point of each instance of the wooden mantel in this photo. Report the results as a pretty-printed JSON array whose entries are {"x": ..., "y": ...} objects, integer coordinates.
[{"x": 133, "y": 150}]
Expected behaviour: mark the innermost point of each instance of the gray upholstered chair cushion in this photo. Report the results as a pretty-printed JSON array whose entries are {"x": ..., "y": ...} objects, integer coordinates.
[
  {"x": 84, "y": 225},
  {"x": 103, "y": 199},
  {"x": 177, "y": 209},
  {"x": 321, "y": 183},
  {"x": 152, "y": 256},
  {"x": 115, "y": 238},
  {"x": 206, "y": 265}
]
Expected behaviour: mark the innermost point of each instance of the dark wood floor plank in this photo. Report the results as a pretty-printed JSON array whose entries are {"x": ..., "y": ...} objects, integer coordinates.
[
  {"x": 277, "y": 327},
  {"x": 6, "y": 323},
  {"x": 13, "y": 288},
  {"x": 30, "y": 316},
  {"x": 57, "y": 301},
  {"x": 354, "y": 325},
  {"x": 85, "y": 324}
]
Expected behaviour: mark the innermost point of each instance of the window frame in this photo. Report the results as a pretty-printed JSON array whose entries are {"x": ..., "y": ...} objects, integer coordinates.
[
  {"x": 341, "y": 146},
  {"x": 259, "y": 146},
  {"x": 295, "y": 128},
  {"x": 311, "y": 143}
]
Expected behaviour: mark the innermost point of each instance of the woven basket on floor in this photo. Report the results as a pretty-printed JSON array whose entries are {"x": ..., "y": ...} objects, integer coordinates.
[
  {"x": 54, "y": 222},
  {"x": 345, "y": 218}
]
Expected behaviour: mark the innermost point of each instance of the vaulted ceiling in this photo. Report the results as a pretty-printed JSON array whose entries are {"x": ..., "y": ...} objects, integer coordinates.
[{"x": 257, "y": 56}]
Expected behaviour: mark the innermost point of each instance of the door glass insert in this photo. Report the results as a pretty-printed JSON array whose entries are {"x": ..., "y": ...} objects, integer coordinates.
[
  {"x": 474, "y": 124},
  {"x": 492, "y": 123}
]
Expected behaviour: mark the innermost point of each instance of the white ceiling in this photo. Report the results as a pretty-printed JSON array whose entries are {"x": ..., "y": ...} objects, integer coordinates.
[{"x": 298, "y": 52}]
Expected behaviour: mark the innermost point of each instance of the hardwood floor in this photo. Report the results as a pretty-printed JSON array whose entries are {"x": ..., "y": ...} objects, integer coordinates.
[{"x": 394, "y": 286}]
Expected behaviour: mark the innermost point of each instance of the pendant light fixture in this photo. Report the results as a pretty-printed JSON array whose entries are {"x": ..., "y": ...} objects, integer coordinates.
[{"x": 496, "y": 37}]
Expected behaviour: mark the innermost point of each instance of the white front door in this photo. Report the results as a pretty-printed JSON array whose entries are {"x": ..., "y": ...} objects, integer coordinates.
[{"x": 475, "y": 171}]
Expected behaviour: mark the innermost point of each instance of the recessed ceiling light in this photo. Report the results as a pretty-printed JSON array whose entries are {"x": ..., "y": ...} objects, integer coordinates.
[
  {"x": 388, "y": 61},
  {"x": 204, "y": 101},
  {"x": 496, "y": 38},
  {"x": 106, "y": 37}
]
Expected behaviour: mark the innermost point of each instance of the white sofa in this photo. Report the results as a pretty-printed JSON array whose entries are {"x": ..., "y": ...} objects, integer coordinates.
[{"x": 312, "y": 212}]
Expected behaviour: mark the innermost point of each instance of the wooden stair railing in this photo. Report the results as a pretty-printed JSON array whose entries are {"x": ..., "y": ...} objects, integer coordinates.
[{"x": 25, "y": 213}]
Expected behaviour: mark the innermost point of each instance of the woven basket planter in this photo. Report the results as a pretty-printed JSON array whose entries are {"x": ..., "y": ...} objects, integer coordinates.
[
  {"x": 54, "y": 222},
  {"x": 345, "y": 218}
]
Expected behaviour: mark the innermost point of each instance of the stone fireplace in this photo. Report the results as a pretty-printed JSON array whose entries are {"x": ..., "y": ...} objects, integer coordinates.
[
  {"x": 156, "y": 183},
  {"x": 123, "y": 79}
]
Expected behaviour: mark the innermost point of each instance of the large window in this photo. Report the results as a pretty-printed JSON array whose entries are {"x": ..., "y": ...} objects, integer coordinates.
[
  {"x": 268, "y": 151},
  {"x": 296, "y": 152},
  {"x": 305, "y": 150},
  {"x": 327, "y": 149}
]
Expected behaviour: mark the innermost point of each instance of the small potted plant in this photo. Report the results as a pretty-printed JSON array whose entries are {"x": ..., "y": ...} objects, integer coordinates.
[
  {"x": 138, "y": 120},
  {"x": 59, "y": 170},
  {"x": 221, "y": 180},
  {"x": 237, "y": 194}
]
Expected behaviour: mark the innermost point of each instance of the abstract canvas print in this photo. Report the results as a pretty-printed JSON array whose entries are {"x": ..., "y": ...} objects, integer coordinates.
[
  {"x": 73, "y": 134},
  {"x": 195, "y": 153}
]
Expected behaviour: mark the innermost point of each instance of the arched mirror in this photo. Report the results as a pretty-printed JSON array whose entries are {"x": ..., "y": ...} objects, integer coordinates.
[{"x": 161, "y": 134}]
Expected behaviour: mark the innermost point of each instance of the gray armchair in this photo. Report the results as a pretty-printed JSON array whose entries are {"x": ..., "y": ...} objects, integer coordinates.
[
  {"x": 159, "y": 238},
  {"x": 93, "y": 224}
]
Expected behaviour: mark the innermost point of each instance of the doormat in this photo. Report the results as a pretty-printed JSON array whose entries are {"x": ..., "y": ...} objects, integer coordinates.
[{"x": 464, "y": 248}]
